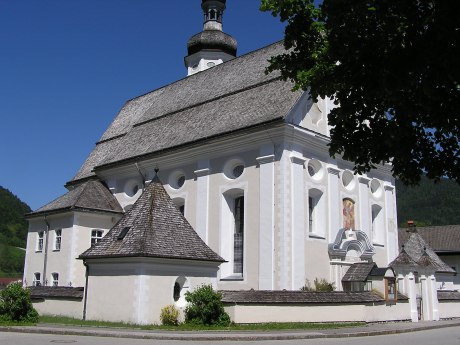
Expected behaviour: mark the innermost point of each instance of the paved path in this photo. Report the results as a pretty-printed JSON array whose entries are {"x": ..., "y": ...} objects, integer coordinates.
[{"x": 362, "y": 331}]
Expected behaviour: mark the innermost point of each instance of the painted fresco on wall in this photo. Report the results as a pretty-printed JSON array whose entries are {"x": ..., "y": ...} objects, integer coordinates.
[{"x": 348, "y": 212}]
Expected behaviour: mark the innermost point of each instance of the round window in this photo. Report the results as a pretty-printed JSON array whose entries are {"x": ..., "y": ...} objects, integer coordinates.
[
  {"x": 234, "y": 169},
  {"x": 348, "y": 179},
  {"x": 376, "y": 188},
  {"x": 315, "y": 169},
  {"x": 211, "y": 64},
  {"x": 177, "y": 179},
  {"x": 132, "y": 187}
]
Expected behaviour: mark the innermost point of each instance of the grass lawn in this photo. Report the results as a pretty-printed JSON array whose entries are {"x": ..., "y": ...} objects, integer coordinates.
[{"x": 187, "y": 327}]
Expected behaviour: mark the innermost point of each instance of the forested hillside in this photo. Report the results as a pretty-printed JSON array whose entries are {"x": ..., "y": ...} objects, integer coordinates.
[
  {"x": 13, "y": 226},
  {"x": 13, "y": 233},
  {"x": 429, "y": 203}
]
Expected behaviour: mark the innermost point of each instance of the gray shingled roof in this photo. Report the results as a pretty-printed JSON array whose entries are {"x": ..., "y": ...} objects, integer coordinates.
[
  {"x": 421, "y": 253},
  {"x": 155, "y": 228},
  {"x": 228, "y": 97},
  {"x": 56, "y": 292},
  {"x": 403, "y": 260},
  {"x": 89, "y": 196},
  {"x": 445, "y": 295},
  {"x": 359, "y": 272},
  {"x": 445, "y": 238},
  {"x": 296, "y": 297}
]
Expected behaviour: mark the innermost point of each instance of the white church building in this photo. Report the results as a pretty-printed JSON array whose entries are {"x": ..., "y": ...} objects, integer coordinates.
[{"x": 258, "y": 202}]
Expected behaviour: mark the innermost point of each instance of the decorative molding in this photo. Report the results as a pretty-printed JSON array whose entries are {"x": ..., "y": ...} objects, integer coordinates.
[
  {"x": 389, "y": 188},
  {"x": 202, "y": 172},
  {"x": 351, "y": 239},
  {"x": 297, "y": 160},
  {"x": 333, "y": 171},
  {"x": 265, "y": 159},
  {"x": 364, "y": 180}
]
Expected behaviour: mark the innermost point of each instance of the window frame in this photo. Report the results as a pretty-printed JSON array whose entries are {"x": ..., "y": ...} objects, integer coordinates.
[
  {"x": 57, "y": 240},
  {"x": 391, "y": 282},
  {"x": 95, "y": 238},
  {"x": 40, "y": 241},
  {"x": 37, "y": 279},
  {"x": 55, "y": 279}
]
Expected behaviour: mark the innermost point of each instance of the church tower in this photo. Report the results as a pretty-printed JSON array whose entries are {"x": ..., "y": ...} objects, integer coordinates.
[{"x": 211, "y": 46}]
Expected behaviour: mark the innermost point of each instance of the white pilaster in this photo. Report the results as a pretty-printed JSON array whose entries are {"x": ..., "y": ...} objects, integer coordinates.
[
  {"x": 390, "y": 221},
  {"x": 266, "y": 220},
  {"x": 364, "y": 210},
  {"x": 426, "y": 298},
  {"x": 202, "y": 199},
  {"x": 283, "y": 210},
  {"x": 298, "y": 222},
  {"x": 333, "y": 202},
  {"x": 412, "y": 294},
  {"x": 434, "y": 298}
]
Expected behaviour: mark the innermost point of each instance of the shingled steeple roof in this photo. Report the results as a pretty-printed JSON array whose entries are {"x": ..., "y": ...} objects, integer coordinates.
[
  {"x": 153, "y": 227},
  {"x": 91, "y": 196}
]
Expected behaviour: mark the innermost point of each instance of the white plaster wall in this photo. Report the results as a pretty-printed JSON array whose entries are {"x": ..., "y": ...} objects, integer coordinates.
[
  {"x": 135, "y": 291},
  {"x": 449, "y": 309},
  {"x": 56, "y": 261},
  {"x": 60, "y": 307},
  {"x": 317, "y": 313}
]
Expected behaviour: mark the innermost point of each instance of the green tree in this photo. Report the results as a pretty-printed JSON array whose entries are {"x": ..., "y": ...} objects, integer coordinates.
[
  {"x": 205, "y": 307},
  {"x": 15, "y": 304},
  {"x": 394, "y": 69}
]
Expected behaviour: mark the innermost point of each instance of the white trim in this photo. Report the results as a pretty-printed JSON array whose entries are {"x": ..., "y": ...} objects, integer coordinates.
[
  {"x": 202, "y": 199},
  {"x": 266, "y": 221}
]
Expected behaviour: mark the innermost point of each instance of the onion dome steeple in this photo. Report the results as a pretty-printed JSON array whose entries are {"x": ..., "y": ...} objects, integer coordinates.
[{"x": 211, "y": 46}]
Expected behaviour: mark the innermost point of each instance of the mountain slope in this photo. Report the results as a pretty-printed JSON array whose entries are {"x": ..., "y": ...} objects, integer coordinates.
[
  {"x": 13, "y": 226},
  {"x": 429, "y": 203}
]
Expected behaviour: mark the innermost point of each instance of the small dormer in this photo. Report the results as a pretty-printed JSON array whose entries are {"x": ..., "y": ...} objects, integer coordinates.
[{"x": 211, "y": 46}]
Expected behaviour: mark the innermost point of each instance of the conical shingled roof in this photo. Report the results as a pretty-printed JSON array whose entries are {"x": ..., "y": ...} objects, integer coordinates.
[
  {"x": 417, "y": 253},
  {"x": 89, "y": 196},
  {"x": 403, "y": 260},
  {"x": 153, "y": 227}
]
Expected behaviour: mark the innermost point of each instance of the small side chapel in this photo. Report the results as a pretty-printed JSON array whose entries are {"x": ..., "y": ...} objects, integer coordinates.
[{"x": 256, "y": 196}]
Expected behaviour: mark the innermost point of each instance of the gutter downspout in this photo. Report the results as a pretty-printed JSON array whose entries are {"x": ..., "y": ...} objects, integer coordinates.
[
  {"x": 45, "y": 260},
  {"x": 86, "y": 289},
  {"x": 140, "y": 173}
]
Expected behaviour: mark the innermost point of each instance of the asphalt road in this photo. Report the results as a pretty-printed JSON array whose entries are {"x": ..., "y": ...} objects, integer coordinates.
[{"x": 442, "y": 336}]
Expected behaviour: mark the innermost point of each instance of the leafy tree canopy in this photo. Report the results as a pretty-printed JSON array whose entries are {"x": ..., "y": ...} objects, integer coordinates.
[{"x": 394, "y": 69}]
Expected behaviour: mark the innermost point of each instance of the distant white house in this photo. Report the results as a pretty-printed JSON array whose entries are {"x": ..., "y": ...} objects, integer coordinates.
[{"x": 245, "y": 162}]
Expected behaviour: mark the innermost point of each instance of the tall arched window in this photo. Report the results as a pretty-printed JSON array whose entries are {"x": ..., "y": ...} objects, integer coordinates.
[
  {"x": 377, "y": 225},
  {"x": 316, "y": 213},
  {"x": 232, "y": 233}
]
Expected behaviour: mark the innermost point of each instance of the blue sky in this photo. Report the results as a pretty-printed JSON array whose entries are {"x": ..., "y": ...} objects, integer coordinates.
[{"x": 68, "y": 66}]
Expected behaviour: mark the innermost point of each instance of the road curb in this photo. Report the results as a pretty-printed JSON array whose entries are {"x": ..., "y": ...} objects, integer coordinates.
[{"x": 214, "y": 336}]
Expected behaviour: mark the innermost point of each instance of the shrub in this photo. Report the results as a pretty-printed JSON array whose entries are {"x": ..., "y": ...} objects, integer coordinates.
[
  {"x": 205, "y": 307},
  {"x": 169, "y": 315},
  {"x": 15, "y": 304},
  {"x": 321, "y": 285}
]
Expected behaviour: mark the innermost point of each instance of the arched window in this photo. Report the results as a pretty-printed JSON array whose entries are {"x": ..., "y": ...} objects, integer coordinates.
[
  {"x": 232, "y": 233},
  {"x": 180, "y": 204},
  {"x": 181, "y": 286},
  {"x": 316, "y": 213},
  {"x": 377, "y": 225}
]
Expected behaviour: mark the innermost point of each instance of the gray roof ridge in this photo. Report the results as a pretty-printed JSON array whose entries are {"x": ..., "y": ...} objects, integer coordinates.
[
  {"x": 85, "y": 185},
  {"x": 191, "y": 76},
  {"x": 207, "y": 101},
  {"x": 111, "y": 138},
  {"x": 149, "y": 154}
]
